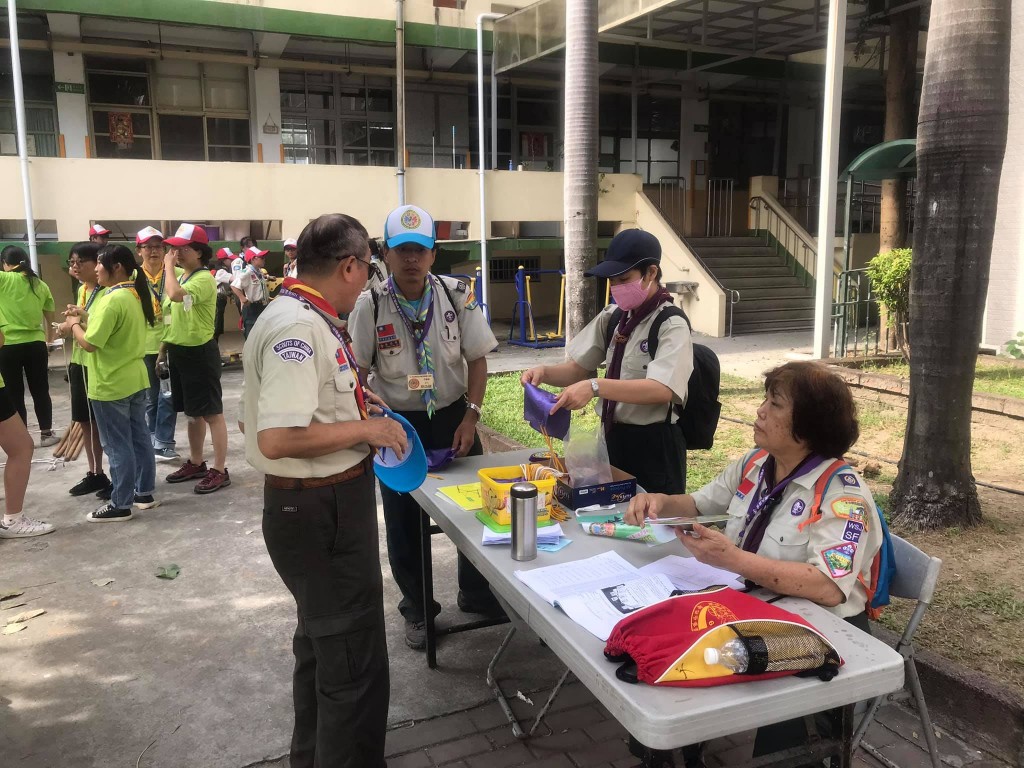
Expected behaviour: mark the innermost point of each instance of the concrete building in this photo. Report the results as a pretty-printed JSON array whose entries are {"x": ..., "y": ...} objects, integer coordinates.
[{"x": 705, "y": 108}]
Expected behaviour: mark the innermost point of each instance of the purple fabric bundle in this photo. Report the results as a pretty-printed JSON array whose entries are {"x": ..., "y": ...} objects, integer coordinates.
[
  {"x": 537, "y": 405},
  {"x": 439, "y": 458}
]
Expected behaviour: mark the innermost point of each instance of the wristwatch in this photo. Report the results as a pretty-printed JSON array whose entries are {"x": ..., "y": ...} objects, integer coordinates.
[
  {"x": 475, "y": 407},
  {"x": 593, "y": 386}
]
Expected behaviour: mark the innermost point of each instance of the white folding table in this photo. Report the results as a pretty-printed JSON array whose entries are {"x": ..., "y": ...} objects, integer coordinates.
[{"x": 662, "y": 717}]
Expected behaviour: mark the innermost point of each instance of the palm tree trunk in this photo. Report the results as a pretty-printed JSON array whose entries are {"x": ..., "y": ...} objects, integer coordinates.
[
  {"x": 961, "y": 141},
  {"x": 580, "y": 190}
]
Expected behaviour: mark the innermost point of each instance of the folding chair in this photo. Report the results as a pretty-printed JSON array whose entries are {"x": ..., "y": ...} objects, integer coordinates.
[{"x": 916, "y": 577}]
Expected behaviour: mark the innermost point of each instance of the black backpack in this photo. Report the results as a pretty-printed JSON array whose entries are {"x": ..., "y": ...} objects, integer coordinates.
[{"x": 699, "y": 418}]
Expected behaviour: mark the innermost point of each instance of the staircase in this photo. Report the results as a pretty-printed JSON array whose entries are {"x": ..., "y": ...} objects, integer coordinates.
[{"x": 772, "y": 298}]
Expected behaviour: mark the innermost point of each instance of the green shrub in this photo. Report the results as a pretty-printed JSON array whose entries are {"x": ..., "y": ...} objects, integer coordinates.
[{"x": 889, "y": 273}]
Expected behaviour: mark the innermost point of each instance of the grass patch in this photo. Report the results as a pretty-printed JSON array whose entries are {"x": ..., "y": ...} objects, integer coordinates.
[{"x": 992, "y": 376}]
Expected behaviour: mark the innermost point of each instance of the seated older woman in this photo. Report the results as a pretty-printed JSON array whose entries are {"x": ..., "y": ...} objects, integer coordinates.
[{"x": 802, "y": 523}]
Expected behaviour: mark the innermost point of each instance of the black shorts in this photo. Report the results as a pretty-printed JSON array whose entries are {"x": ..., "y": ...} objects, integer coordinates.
[
  {"x": 195, "y": 379},
  {"x": 7, "y": 408},
  {"x": 80, "y": 410}
]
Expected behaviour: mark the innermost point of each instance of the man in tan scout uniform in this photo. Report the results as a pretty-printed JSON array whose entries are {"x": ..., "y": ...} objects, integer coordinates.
[
  {"x": 304, "y": 414},
  {"x": 423, "y": 340}
]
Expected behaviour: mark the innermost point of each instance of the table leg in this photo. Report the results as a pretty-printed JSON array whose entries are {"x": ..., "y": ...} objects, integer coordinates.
[
  {"x": 428, "y": 590},
  {"x": 843, "y": 730},
  {"x": 492, "y": 681}
]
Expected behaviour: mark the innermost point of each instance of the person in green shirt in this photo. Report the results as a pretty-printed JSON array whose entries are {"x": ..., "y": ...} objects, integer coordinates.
[
  {"x": 25, "y": 303},
  {"x": 82, "y": 261},
  {"x": 193, "y": 356},
  {"x": 118, "y": 383},
  {"x": 17, "y": 444}
]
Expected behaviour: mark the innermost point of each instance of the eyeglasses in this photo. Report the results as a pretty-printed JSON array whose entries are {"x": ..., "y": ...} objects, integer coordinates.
[{"x": 153, "y": 246}]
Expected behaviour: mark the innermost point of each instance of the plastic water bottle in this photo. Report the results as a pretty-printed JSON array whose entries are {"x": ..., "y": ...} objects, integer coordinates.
[{"x": 733, "y": 655}]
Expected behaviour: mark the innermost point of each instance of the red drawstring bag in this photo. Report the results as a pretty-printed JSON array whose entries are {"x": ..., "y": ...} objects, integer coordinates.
[{"x": 664, "y": 643}]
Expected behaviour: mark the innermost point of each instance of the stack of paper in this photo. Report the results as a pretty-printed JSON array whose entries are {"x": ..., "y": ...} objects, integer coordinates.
[
  {"x": 549, "y": 534},
  {"x": 600, "y": 591}
]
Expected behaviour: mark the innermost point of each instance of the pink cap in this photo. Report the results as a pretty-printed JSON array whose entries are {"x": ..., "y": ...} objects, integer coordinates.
[
  {"x": 188, "y": 233},
  {"x": 98, "y": 229},
  {"x": 225, "y": 253},
  {"x": 291, "y": 242}
]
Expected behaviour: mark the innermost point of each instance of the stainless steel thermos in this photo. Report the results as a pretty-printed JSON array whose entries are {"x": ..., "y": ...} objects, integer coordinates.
[{"x": 523, "y": 497}]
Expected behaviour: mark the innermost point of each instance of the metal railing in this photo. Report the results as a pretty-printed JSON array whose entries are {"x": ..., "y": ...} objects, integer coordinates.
[
  {"x": 672, "y": 200},
  {"x": 799, "y": 196},
  {"x": 719, "y": 218},
  {"x": 734, "y": 298},
  {"x": 856, "y": 317},
  {"x": 779, "y": 232}
]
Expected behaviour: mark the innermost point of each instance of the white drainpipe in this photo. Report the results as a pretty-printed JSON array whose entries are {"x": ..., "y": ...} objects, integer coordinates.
[
  {"x": 19, "y": 109},
  {"x": 484, "y": 292}
]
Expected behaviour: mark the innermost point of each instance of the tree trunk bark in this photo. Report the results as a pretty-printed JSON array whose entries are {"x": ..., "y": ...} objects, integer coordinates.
[
  {"x": 580, "y": 190},
  {"x": 900, "y": 102},
  {"x": 961, "y": 141}
]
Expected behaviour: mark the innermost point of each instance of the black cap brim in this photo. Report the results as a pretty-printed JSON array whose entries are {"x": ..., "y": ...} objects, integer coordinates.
[{"x": 608, "y": 269}]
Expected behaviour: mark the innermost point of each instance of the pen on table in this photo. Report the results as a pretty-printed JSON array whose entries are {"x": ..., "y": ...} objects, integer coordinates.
[{"x": 435, "y": 477}]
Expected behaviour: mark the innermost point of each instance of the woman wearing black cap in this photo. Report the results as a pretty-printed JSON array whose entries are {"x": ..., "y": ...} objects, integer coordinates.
[{"x": 639, "y": 389}]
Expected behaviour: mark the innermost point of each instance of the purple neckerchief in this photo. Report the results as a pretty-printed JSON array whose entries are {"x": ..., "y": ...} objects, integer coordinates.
[
  {"x": 762, "y": 502},
  {"x": 418, "y": 336}
]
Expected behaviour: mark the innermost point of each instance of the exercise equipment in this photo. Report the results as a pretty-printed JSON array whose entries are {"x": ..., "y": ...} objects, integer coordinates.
[{"x": 528, "y": 335}]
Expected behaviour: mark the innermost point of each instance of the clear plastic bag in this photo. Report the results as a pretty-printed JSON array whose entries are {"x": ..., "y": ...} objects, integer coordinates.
[{"x": 586, "y": 456}]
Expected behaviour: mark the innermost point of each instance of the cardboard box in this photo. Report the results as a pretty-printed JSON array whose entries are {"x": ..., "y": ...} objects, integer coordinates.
[{"x": 622, "y": 488}]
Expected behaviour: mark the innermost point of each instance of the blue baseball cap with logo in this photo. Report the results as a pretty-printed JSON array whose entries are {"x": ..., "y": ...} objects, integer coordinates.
[{"x": 409, "y": 224}]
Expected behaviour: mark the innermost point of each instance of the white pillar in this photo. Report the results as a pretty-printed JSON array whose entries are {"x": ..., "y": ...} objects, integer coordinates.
[
  {"x": 266, "y": 109},
  {"x": 829, "y": 177},
  {"x": 72, "y": 109}
]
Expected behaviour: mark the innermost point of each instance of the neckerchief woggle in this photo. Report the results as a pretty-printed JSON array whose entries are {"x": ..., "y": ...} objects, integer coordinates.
[
  {"x": 762, "y": 500},
  {"x": 424, "y": 318},
  {"x": 294, "y": 289}
]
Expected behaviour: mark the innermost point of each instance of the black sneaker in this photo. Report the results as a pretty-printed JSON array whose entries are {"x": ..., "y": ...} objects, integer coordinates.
[
  {"x": 104, "y": 493},
  {"x": 92, "y": 482},
  {"x": 146, "y": 502},
  {"x": 108, "y": 513},
  {"x": 416, "y": 634}
]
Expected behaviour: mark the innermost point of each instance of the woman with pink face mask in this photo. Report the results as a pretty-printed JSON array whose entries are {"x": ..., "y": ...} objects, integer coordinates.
[{"x": 638, "y": 391}]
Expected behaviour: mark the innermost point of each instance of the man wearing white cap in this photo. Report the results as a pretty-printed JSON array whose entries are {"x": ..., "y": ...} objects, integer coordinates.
[
  {"x": 250, "y": 286},
  {"x": 99, "y": 234},
  {"x": 160, "y": 414},
  {"x": 290, "y": 250},
  {"x": 424, "y": 341}
]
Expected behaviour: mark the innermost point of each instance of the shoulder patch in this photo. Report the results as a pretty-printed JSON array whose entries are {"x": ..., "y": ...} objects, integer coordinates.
[
  {"x": 460, "y": 286},
  {"x": 849, "y": 480},
  {"x": 853, "y": 531},
  {"x": 850, "y": 508},
  {"x": 839, "y": 559},
  {"x": 293, "y": 350}
]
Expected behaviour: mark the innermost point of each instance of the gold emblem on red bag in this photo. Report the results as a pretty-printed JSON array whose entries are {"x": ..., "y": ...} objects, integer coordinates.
[{"x": 708, "y": 614}]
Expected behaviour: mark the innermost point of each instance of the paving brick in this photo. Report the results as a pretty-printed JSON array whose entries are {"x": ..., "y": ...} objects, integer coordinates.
[
  {"x": 606, "y": 729},
  {"x": 416, "y": 759},
  {"x": 516, "y": 754},
  {"x": 453, "y": 750},
  {"x": 606, "y": 751},
  {"x": 502, "y": 737},
  {"x": 426, "y": 732},
  {"x": 907, "y": 755},
  {"x": 570, "y": 740},
  {"x": 573, "y": 718},
  {"x": 487, "y": 717},
  {"x": 571, "y": 695},
  {"x": 554, "y": 761}
]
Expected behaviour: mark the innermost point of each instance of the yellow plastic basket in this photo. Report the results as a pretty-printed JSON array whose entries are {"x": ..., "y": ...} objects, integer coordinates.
[{"x": 495, "y": 484}]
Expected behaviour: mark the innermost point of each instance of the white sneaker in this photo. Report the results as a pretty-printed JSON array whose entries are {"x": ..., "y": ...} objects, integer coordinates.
[
  {"x": 23, "y": 528},
  {"x": 48, "y": 440}
]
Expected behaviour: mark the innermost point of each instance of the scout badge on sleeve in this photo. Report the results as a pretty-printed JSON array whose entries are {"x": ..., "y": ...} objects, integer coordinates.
[
  {"x": 716, "y": 637},
  {"x": 401, "y": 474}
]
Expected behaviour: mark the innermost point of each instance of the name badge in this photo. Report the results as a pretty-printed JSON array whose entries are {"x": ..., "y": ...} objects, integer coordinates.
[
  {"x": 167, "y": 319},
  {"x": 418, "y": 382},
  {"x": 187, "y": 302}
]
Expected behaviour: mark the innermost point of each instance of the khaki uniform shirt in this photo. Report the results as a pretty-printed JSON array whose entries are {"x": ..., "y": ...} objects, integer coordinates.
[
  {"x": 457, "y": 334},
  {"x": 842, "y": 544},
  {"x": 293, "y": 376},
  {"x": 253, "y": 285},
  {"x": 672, "y": 367}
]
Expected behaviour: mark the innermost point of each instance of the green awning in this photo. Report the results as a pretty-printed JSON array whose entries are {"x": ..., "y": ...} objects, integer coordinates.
[{"x": 889, "y": 160}]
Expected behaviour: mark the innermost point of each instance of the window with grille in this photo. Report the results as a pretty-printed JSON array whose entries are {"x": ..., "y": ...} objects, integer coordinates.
[{"x": 503, "y": 270}]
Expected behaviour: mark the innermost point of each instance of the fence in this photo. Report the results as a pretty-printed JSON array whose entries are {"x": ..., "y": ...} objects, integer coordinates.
[
  {"x": 719, "y": 219},
  {"x": 856, "y": 317}
]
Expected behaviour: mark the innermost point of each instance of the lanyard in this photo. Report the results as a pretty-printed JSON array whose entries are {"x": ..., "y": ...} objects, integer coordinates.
[
  {"x": 419, "y": 334},
  {"x": 92, "y": 297},
  {"x": 762, "y": 500},
  {"x": 187, "y": 277},
  {"x": 344, "y": 348},
  {"x": 158, "y": 293},
  {"x": 119, "y": 286}
]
